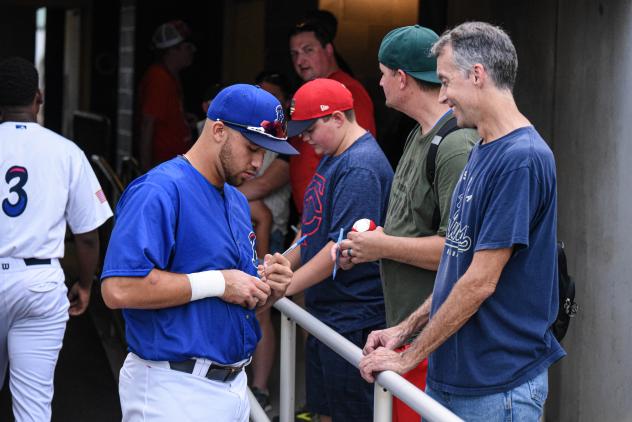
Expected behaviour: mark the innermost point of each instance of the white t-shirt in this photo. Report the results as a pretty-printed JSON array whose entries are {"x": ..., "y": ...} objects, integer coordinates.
[{"x": 45, "y": 181}]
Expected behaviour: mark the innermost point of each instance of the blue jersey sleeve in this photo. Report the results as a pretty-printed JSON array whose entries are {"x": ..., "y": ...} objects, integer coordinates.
[
  {"x": 358, "y": 194},
  {"x": 144, "y": 235},
  {"x": 507, "y": 214}
]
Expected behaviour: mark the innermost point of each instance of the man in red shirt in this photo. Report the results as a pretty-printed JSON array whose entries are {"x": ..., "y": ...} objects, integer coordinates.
[
  {"x": 313, "y": 56},
  {"x": 164, "y": 130}
]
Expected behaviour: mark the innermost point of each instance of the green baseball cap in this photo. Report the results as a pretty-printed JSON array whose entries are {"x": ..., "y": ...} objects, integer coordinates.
[{"x": 408, "y": 48}]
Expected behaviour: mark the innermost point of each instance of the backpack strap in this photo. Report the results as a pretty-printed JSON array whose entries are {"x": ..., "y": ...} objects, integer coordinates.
[{"x": 431, "y": 164}]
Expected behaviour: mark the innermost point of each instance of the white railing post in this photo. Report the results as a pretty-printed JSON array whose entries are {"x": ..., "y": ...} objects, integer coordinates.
[
  {"x": 257, "y": 414},
  {"x": 288, "y": 366},
  {"x": 396, "y": 385},
  {"x": 382, "y": 404}
]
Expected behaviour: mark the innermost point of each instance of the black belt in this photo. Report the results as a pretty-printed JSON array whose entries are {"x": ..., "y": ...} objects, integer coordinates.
[
  {"x": 215, "y": 372},
  {"x": 36, "y": 261}
]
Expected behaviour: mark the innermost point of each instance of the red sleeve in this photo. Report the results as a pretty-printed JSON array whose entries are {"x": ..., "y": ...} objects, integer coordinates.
[{"x": 302, "y": 169}]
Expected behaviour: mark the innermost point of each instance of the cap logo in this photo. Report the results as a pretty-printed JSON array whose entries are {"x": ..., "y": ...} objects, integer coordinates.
[
  {"x": 324, "y": 107},
  {"x": 280, "y": 117}
]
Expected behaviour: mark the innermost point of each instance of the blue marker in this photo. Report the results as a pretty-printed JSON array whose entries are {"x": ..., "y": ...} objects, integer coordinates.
[{"x": 337, "y": 263}]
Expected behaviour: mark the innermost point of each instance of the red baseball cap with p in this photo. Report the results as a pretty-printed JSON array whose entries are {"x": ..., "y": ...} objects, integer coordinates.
[{"x": 315, "y": 99}]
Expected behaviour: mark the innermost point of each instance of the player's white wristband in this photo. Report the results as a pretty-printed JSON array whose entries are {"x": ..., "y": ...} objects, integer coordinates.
[{"x": 206, "y": 284}]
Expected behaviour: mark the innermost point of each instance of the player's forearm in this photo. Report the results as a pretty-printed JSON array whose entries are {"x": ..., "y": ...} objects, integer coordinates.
[
  {"x": 312, "y": 272},
  {"x": 87, "y": 245},
  {"x": 423, "y": 252},
  {"x": 158, "y": 289}
]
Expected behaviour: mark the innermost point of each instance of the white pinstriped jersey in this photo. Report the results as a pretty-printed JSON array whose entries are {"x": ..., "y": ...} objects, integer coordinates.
[{"x": 45, "y": 182}]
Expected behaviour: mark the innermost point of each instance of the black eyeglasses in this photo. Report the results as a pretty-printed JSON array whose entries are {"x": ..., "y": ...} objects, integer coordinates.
[{"x": 275, "y": 130}]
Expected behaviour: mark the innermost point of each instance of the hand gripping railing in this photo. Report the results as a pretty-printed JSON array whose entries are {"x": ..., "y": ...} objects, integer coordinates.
[{"x": 387, "y": 381}]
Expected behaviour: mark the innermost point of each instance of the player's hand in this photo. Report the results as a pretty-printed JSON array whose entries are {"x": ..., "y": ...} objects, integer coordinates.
[
  {"x": 79, "y": 298},
  {"x": 361, "y": 247},
  {"x": 276, "y": 271},
  {"x": 244, "y": 289},
  {"x": 344, "y": 263},
  {"x": 383, "y": 359},
  {"x": 389, "y": 338}
]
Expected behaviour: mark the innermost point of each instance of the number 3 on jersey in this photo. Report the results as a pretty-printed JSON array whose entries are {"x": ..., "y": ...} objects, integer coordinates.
[{"x": 17, "y": 208}]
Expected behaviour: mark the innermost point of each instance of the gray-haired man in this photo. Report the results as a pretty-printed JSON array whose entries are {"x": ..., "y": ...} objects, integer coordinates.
[{"x": 487, "y": 324}]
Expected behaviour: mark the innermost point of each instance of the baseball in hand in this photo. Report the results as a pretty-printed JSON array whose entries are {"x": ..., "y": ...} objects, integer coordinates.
[{"x": 363, "y": 225}]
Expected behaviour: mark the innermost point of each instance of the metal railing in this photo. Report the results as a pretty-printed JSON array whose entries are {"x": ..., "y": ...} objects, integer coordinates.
[{"x": 388, "y": 383}]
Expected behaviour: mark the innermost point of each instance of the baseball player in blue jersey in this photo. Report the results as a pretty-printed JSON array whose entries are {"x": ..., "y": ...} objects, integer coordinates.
[
  {"x": 182, "y": 264},
  {"x": 46, "y": 182}
]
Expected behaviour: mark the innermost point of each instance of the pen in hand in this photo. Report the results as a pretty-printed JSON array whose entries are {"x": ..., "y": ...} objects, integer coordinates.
[
  {"x": 292, "y": 246},
  {"x": 295, "y": 245}
]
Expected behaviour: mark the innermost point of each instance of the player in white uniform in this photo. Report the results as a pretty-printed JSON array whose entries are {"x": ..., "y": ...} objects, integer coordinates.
[{"x": 45, "y": 182}]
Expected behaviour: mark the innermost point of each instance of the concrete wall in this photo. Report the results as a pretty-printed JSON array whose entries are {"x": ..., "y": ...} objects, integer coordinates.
[
  {"x": 593, "y": 107},
  {"x": 532, "y": 26},
  {"x": 244, "y": 38},
  {"x": 575, "y": 84},
  {"x": 361, "y": 26}
]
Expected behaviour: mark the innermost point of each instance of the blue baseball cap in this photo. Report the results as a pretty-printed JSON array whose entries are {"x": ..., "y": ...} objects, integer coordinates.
[{"x": 255, "y": 113}]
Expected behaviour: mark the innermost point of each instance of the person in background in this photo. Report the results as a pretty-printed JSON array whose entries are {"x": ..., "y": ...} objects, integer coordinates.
[
  {"x": 269, "y": 199},
  {"x": 328, "y": 21},
  {"x": 312, "y": 53},
  {"x": 165, "y": 128},
  {"x": 47, "y": 184},
  {"x": 207, "y": 97}
]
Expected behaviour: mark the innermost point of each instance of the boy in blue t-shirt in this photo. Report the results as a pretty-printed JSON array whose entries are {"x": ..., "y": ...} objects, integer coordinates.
[{"x": 351, "y": 182}]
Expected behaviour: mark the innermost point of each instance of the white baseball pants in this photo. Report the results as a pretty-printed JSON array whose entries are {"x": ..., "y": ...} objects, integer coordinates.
[
  {"x": 150, "y": 391},
  {"x": 33, "y": 315}
]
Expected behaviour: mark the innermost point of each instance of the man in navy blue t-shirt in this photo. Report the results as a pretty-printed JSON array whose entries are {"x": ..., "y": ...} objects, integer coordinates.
[
  {"x": 351, "y": 182},
  {"x": 486, "y": 328}
]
